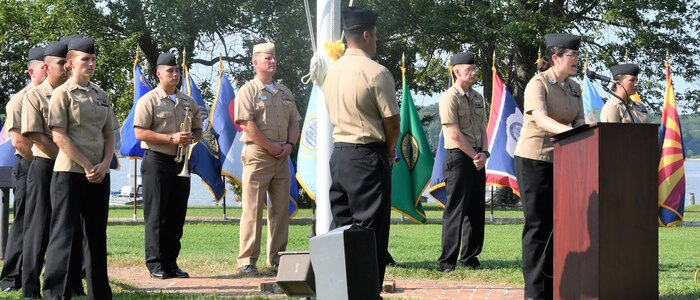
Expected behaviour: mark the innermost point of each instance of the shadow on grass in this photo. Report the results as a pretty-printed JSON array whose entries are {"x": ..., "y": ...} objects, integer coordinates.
[{"x": 487, "y": 264}]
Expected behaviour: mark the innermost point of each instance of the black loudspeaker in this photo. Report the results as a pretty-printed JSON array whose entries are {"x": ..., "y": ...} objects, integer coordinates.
[
  {"x": 345, "y": 263},
  {"x": 295, "y": 275}
]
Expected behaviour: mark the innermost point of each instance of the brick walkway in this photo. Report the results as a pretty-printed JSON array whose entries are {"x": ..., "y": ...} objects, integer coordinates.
[{"x": 137, "y": 279}]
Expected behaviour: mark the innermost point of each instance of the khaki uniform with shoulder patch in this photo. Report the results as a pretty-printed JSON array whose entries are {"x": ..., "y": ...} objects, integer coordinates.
[
  {"x": 86, "y": 111},
  {"x": 614, "y": 111},
  {"x": 466, "y": 111},
  {"x": 562, "y": 102},
  {"x": 156, "y": 111}
]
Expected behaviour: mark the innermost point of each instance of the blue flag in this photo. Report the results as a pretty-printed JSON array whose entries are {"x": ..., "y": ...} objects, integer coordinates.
[
  {"x": 222, "y": 121},
  {"x": 591, "y": 100},
  {"x": 130, "y": 146},
  {"x": 205, "y": 155},
  {"x": 437, "y": 178},
  {"x": 7, "y": 151}
]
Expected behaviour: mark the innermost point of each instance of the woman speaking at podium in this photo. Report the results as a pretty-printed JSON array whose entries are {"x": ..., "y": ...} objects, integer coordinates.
[
  {"x": 620, "y": 108},
  {"x": 552, "y": 105}
]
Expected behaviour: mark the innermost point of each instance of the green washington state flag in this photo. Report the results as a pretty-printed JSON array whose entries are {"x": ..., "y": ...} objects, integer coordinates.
[{"x": 414, "y": 161}]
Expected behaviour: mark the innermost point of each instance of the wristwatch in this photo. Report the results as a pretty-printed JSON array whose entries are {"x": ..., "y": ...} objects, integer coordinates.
[{"x": 487, "y": 153}]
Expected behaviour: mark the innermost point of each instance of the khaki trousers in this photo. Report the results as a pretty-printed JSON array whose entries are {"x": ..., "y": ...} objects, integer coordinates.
[{"x": 263, "y": 174}]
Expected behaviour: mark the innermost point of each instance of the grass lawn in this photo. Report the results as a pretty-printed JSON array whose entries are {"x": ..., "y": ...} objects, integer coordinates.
[
  {"x": 432, "y": 211},
  {"x": 211, "y": 248}
]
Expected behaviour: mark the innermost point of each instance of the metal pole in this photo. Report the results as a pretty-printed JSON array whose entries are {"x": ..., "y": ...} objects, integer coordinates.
[
  {"x": 327, "y": 30},
  {"x": 224, "y": 204},
  {"x": 136, "y": 186},
  {"x": 491, "y": 217},
  {"x": 5, "y": 212}
]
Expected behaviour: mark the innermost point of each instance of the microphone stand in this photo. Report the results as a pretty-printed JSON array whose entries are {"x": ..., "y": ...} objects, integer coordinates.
[{"x": 627, "y": 107}]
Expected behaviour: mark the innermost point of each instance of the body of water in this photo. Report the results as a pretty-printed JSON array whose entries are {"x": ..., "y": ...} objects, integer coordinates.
[{"x": 200, "y": 194}]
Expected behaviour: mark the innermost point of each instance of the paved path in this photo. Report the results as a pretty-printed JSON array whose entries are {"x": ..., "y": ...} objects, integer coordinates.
[{"x": 137, "y": 279}]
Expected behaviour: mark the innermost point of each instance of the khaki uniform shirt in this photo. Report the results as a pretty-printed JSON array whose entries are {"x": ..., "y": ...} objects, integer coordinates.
[
  {"x": 614, "y": 111},
  {"x": 156, "y": 111},
  {"x": 14, "y": 110},
  {"x": 359, "y": 94},
  {"x": 561, "y": 102},
  {"x": 271, "y": 111},
  {"x": 467, "y": 112},
  {"x": 86, "y": 115},
  {"x": 35, "y": 114}
]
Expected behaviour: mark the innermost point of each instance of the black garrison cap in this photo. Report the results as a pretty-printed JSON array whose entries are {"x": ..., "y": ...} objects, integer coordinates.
[
  {"x": 166, "y": 59},
  {"x": 355, "y": 18},
  {"x": 36, "y": 53},
  {"x": 465, "y": 57},
  {"x": 66, "y": 39},
  {"x": 58, "y": 49},
  {"x": 562, "y": 40},
  {"x": 625, "y": 69},
  {"x": 86, "y": 45}
]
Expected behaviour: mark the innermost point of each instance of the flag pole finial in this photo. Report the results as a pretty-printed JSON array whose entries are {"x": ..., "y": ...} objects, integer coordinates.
[
  {"x": 493, "y": 59},
  {"x": 626, "y": 55},
  {"x": 666, "y": 62},
  {"x": 403, "y": 60}
]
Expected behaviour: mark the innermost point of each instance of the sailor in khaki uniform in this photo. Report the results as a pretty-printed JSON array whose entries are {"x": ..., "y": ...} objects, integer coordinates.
[
  {"x": 81, "y": 120},
  {"x": 620, "y": 108},
  {"x": 552, "y": 105},
  {"x": 268, "y": 115},
  {"x": 360, "y": 96},
  {"x": 35, "y": 113},
  {"x": 11, "y": 276},
  {"x": 463, "y": 117},
  {"x": 159, "y": 114}
]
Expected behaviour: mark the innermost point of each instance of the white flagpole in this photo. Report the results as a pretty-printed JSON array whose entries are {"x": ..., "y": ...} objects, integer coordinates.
[{"x": 328, "y": 29}]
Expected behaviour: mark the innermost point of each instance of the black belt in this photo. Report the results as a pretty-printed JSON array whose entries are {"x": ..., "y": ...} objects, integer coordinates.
[
  {"x": 44, "y": 159},
  {"x": 375, "y": 145},
  {"x": 160, "y": 154},
  {"x": 476, "y": 149}
]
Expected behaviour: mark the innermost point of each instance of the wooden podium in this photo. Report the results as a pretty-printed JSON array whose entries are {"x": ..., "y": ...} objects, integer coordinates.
[{"x": 605, "y": 212}]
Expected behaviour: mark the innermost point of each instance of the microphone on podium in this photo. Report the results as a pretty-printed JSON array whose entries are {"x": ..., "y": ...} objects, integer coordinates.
[{"x": 592, "y": 75}]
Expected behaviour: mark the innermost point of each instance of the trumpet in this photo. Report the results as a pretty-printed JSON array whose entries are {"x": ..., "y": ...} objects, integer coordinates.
[{"x": 183, "y": 150}]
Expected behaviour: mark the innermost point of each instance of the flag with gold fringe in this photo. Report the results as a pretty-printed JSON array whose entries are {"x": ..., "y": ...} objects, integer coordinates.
[
  {"x": 205, "y": 155},
  {"x": 414, "y": 161},
  {"x": 671, "y": 165}
]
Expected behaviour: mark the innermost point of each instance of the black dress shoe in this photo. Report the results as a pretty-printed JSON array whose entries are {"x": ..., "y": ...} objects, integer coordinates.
[
  {"x": 177, "y": 273},
  {"x": 472, "y": 263},
  {"x": 159, "y": 275},
  {"x": 446, "y": 268},
  {"x": 248, "y": 269}
]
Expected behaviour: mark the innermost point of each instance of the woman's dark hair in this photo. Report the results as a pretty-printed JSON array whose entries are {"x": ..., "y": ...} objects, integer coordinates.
[{"x": 546, "y": 62}]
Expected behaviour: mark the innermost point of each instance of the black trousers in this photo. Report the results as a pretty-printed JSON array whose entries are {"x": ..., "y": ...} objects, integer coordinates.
[
  {"x": 11, "y": 276},
  {"x": 463, "y": 217},
  {"x": 164, "y": 206},
  {"x": 535, "y": 181},
  {"x": 360, "y": 193},
  {"x": 36, "y": 224},
  {"x": 78, "y": 227}
]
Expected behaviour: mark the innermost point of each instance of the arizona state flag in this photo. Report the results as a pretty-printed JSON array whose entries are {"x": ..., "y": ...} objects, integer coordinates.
[
  {"x": 414, "y": 161},
  {"x": 503, "y": 131},
  {"x": 671, "y": 165}
]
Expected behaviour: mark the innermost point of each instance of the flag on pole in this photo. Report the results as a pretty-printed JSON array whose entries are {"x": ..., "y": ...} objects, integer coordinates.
[
  {"x": 591, "y": 98},
  {"x": 671, "y": 164},
  {"x": 222, "y": 121},
  {"x": 130, "y": 146},
  {"x": 7, "y": 151},
  {"x": 411, "y": 172},
  {"x": 437, "y": 178},
  {"x": 505, "y": 122},
  {"x": 306, "y": 156},
  {"x": 205, "y": 156}
]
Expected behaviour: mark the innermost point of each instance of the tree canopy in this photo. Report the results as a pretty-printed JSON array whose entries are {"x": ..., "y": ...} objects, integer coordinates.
[{"x": 427, "y": 31}]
